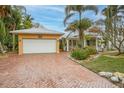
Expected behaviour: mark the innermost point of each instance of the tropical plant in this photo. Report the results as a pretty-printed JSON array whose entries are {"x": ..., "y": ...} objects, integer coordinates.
[
  {"x": 2, "y": 32},
  {"x": 11, "y": 18},
  {"x": 27, "y": 21},
  {"x": 70, "y": 10},
  {"x": 113, "y": 24},
  {"x": 75, "y": 26},
  {"x": 5, "y": 11},
  {"x": 111, "y": 13},
  {"x": 116, "y": 37}
]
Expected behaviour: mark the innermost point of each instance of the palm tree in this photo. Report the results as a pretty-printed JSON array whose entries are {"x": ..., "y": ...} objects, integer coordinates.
[
  {"x": 5, "y": 10},
  {"x": 114, "y": 17},
  {"x": 11, "y": 15},
  {"x": 111, "y": 13},
  {"x": 72, "y": 27},
  {"x": 11, "y": 18},
  {"x": 70, "y": 10},
  {"x": 2, "y": 32},
  {"x": 75, "y": 26},
  {"x": 27, "y": 21}
]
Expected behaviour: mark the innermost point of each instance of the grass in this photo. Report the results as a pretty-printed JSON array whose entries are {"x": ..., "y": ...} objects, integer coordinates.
[{"x": 104, "y": 63}]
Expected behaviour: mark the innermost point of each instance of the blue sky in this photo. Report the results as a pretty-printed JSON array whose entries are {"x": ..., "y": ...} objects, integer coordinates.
[{"x": 52, "y": 16}]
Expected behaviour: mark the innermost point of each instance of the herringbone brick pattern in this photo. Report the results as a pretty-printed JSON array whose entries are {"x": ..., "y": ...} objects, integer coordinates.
[{"x": 47, "y": 70}]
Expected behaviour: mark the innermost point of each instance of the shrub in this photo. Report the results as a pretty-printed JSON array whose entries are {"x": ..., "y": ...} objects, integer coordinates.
[
  {"x": 83, "y": 53},
  {"x": 90, "y": 50},
  {"x": 79, "y": 54}
]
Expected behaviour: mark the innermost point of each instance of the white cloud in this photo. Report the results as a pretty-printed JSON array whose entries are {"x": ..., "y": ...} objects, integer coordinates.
[
  {"x": 53, "y": 19},
  {"x": 49, "y": 8},
  {"x": 54, "y": 8},
  {"x": 39, "y": 14}
]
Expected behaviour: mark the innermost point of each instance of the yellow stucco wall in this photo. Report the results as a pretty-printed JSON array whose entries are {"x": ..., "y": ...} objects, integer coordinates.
[{"x": 36, "y": 36}]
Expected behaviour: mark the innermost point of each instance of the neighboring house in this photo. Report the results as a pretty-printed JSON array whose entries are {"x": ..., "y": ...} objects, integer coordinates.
[
  {"x": 37, "y": 40},
  {"x": 70, "y": 40}
]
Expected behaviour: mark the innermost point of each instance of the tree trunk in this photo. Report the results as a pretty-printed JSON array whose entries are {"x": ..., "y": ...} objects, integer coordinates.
[
  {"x": 13, "y": 48},
  {"x": 81, "y": 33},
  {"x": 81, "y": 39},
  {"x": 119, "y": 51}
]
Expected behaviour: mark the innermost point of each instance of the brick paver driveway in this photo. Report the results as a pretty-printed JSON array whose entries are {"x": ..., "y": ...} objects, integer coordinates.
[{"x": 47, "y": 70}]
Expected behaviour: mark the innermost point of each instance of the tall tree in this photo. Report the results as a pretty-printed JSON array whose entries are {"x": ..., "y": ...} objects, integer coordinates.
[
  {"x": 75, "y": 26},
  {"x": 11, "y": 18},
  {"x": 114, "y": 25},
  {"x": 118, "y": 35},
  {"x": 111, "y": 13},
  {"x": 5, "y": 11},
  {"x": 70, "y": 10}
]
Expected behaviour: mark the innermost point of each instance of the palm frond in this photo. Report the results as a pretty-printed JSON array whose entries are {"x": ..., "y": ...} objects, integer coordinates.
[
  {"x": 20, "y": 7},
  {"x": 67, "y": 17},
  {"x": 121, "y": 8},
  {"x": 91, "y": 7}
]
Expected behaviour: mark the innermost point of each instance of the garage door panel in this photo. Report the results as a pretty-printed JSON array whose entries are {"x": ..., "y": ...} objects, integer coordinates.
[{"x": 39, "y": 46}]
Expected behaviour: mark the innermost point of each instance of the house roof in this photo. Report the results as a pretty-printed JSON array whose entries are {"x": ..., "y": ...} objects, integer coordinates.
[
  {"x": 69, "y": 34},
  {"x": 75, "y": 34},
  {"x": 34, "y": 30},
  {"x": 93, "y": 31}
]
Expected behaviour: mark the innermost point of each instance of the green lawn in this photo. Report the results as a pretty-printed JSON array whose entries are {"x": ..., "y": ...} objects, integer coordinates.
[{"x": 104, "y": 63}]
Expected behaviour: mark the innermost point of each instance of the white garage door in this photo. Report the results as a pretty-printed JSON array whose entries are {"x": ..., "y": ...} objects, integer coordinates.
[{"x": 39, "y": 46}]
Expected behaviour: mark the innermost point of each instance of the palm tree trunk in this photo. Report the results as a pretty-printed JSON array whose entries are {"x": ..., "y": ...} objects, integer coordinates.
[
  {"x": 111, "y": 26},
  {"x": 81, "y": 33},
  {"x": 108, "y": 26},
  {"x": 115, "y": 32},
  {"x": 13, "y": 48}
]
